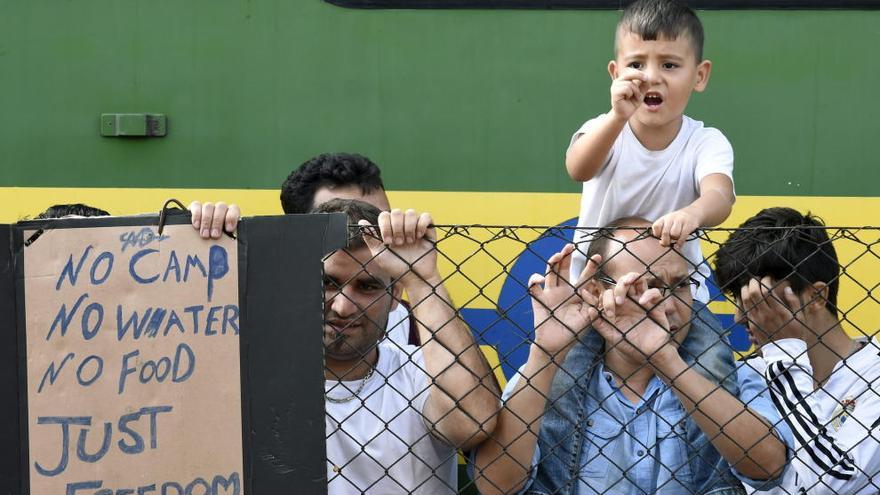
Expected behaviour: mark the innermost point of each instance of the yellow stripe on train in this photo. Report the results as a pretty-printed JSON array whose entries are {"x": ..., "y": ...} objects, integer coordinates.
[{"x": 482, "y": 285}]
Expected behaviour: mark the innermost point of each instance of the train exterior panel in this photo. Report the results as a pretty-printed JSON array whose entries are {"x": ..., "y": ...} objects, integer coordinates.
[{"x": 467, "y": 111}]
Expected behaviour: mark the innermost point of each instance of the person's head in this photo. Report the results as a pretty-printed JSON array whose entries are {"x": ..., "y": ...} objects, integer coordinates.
[
  {"x": 626, "y": 246},
  {"x": 72, "y": 210},
  {"x": 357, "y": 295},
  {"x": 333, "y": 175},
  {"x": 785, "y": 245},
  {"x": 663, "y": 39}
]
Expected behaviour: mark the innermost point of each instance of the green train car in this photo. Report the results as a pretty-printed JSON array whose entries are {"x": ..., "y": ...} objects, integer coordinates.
[
  {"x": 467, "y": 105},
  {"x": 453, "y": 102},
  {"x": 444, "y": 100}
]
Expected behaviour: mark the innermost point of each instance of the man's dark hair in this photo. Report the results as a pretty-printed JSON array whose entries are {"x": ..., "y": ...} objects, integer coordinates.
[
  {"x": 356, "y": 211},
  {"x": 605, "y": 236},
  {"x": 669, "y": 19},
  {"x": 328, "y": 170},
  {"x": 783, "y": 244},
  {"x": 77, "y": 209}
]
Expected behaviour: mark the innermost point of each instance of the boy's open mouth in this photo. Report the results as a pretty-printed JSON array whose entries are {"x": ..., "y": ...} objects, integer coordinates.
[{"x": 653, "y": 99}]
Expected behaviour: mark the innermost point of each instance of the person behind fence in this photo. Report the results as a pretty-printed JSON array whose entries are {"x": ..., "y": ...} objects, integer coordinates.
[
  {"x": 348, "y": 176},
  {"x": 333, "y": 175},
  {"x": 646, "y": 158},
  {"x": 638, "y": 418},
  {"x": 782, "y": 270},
  {"x": 340, "y": 175},
  {"x": 395, "y": 418}
]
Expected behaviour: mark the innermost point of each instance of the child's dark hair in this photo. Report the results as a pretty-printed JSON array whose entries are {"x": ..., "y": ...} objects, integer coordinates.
[
  {"x": 783, "y": 244},
  {"x": 669, "y": 19}
]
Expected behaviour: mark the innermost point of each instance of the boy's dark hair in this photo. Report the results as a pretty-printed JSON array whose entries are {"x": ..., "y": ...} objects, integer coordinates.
[
  {"x": 328, "y": 169},
  {"x": 356, "y": 211},
  {"x": 783, "y": 244},
  {"x": 77, "y": 209},
  {"x": 669, "y": 19}
]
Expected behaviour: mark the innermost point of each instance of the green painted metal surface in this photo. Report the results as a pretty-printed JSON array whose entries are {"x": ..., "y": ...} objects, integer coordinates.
[{"x": 443, "y": 100}]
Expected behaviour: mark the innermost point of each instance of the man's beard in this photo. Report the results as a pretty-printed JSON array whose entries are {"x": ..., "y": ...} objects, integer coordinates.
[
  {"x": 357, "y": 344},
  {"x": 350, "y": 347}
]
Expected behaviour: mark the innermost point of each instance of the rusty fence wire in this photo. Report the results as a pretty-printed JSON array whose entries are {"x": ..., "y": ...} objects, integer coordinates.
[{"x": 641, "y": 373}]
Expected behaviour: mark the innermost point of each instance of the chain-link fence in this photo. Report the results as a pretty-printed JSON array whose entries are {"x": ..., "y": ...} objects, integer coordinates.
[{"x": 624, "y": 366}]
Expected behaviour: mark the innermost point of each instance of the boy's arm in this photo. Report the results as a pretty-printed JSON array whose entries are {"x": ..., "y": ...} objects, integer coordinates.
[
  {"x": 590, "y": 151},
  {"x": 710, "y": 209}
]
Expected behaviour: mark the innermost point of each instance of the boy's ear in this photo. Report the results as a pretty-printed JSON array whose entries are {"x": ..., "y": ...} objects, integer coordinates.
[
  {"x": 816, "y": 296},
  {"x": 612, "y": 69},
  {"x": 704, "y": 68}
]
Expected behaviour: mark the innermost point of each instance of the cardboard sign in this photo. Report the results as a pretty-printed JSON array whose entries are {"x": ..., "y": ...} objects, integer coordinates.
[
  {"x": 133, "y": 368},
  {"x": 134, "y": 364}
]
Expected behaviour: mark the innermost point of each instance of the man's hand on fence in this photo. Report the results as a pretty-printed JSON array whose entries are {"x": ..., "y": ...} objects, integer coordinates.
[
  {"x": 772, "y": 310},
  {"x": 561, "y": 313},
  {"x": 633, "y": 319},
  {"x": 404, "y": 245}
]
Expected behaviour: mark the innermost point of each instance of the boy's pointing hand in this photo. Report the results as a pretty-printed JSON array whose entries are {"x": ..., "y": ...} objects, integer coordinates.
[{"x": 626, "y": 92}]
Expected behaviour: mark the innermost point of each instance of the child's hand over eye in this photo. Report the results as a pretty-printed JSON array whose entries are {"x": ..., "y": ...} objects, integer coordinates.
[
  {"x": 626, "y": 92},
  {"x": 675, "y": 227}
]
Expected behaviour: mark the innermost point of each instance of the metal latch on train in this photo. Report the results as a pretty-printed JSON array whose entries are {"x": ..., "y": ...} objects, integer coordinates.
[{"x": 133, "y": 125}]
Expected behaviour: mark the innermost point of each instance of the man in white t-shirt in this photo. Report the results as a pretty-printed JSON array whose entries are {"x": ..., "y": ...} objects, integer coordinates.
[
  {"x": 782, "y": 270},
  {"x": 317, "y": 180},
  {"x": 348, "y": 176},
  {"x": 395, "y": 417}
]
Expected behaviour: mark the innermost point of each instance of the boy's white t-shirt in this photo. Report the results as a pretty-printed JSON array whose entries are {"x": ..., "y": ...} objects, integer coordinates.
[
  {"x": 636, "y": 181},
  {"x": 378, "y": 442}
]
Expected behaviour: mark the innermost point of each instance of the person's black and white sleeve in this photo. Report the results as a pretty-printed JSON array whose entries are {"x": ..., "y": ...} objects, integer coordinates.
[{"x": 843, "y": 463}]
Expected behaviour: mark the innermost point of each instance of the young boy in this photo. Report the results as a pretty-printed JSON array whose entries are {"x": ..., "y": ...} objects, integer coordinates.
[
  {"x": 824, "y": 383},
  {"x": 645, "y": 157}
]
